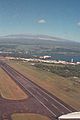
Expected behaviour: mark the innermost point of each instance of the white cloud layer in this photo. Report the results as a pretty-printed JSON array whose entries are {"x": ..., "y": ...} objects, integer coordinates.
[
  {"x": 41, "y": 21},
  {"x": 78, "y": 23}
]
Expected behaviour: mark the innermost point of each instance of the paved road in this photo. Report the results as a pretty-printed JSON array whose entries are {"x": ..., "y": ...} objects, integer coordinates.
[{"x": 54, "y": 107}]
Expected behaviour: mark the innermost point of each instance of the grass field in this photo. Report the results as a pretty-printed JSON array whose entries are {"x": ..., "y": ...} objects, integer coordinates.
[
  {"x": 9, "y": 89},
  {"x": 65, "y": 89},
  {"x": 28, "y": 117}
]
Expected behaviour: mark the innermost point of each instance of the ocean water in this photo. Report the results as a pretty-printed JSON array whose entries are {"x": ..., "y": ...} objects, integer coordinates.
[{"x": 76, "y": 58}]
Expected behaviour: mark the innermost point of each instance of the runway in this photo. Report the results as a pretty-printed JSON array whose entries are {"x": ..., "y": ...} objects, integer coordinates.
[{"x": 53, "y": 106}]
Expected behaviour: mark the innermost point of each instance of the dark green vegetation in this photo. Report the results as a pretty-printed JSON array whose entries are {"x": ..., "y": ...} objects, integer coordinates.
[{"x": 60, "y": 69}]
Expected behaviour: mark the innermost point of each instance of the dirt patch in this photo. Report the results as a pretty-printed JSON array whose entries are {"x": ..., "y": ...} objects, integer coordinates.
[
  {"x": 24, "y": 116},
  {"x": 9, "y": 89}
]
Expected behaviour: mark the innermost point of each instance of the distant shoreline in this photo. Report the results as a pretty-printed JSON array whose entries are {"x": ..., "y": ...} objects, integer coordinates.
[{"x": 41, "y": 60}]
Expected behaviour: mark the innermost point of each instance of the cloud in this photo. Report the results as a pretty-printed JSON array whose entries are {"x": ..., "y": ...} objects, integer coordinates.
[
  {"x": 78, "y": 23},
  {"x": 41, "y": 21}
]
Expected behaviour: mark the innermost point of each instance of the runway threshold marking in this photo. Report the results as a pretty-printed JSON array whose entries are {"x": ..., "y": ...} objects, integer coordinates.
[
  {"x": 54, "y": 115},
  {"x": 39, "y": 101},
  {"x": 46, "y": 93},
  {"x": 41, "y": 95},
  {"x": 53, "y": 98},
  {"x": 44, "y": 98}
]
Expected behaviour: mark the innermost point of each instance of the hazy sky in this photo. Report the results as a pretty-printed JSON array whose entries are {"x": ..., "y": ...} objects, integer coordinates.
[{"x": 53, "y": 17}]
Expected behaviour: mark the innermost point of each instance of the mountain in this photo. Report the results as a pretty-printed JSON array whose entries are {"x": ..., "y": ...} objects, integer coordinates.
[
  {"x": 30, "y": 39},
  {"x": 29, "y": 45},
  {"x": 31, "y": 36}
]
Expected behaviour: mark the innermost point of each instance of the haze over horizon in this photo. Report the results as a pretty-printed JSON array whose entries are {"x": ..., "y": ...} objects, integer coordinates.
[{"x": 58, "y": 18}]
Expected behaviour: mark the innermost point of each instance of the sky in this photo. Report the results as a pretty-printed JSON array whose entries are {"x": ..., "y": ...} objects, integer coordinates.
[{"x": 59, "y": 18}]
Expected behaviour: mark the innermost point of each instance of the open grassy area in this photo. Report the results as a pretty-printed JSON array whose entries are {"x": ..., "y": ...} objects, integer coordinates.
[
  {"x": 28, "y": 117},
  {"x": 9, "y": 89},
  {"x": 64, "y": 88}
]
